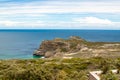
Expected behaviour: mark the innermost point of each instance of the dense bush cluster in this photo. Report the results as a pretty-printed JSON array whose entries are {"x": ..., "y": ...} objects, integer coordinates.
[{"x": 54, "y": 69}]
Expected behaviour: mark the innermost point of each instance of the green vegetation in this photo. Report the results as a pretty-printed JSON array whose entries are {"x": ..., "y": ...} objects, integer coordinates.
[
  {"x": 64, "y": 50},
  {"x": 55, "y": 69},
  {"x": 109, "y": 76}
]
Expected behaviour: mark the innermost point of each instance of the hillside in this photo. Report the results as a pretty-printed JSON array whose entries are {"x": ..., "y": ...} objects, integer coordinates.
[
  {"x": 77, "y": 47},
  {"x": 55, "y": 69}
]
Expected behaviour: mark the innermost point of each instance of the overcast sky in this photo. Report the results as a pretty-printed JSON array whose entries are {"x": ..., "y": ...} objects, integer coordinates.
[{"x": 60, "y": 14}]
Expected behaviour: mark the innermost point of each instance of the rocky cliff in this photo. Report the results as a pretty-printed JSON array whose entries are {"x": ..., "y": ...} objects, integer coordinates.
[{"x": 76, "y": 47}]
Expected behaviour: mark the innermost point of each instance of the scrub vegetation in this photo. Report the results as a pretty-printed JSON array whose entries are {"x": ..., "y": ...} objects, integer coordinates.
[{"x": 56, "y": 69}]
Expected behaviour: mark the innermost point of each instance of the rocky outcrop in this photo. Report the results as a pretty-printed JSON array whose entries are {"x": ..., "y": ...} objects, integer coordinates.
[{"x": 58, "y": 47}]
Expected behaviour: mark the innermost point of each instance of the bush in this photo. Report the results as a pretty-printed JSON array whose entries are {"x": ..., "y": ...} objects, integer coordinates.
[
  {"x": 64, "y": 50},
  {"x": 109, "y": 76}
]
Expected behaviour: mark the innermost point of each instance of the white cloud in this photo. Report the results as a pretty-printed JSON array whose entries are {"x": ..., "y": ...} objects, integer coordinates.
[
  {"x": 7, "y": 23},
  {"x": 29, "y": 15},
  {"x": 16, "y": 24},
  {"x": 61, "y": 7},
  {"x": 95, "y": 23},
  {"x": 75, "y": 23},
  {"x": 78, "y": 23},
  {"x": 92, "y": 20}
]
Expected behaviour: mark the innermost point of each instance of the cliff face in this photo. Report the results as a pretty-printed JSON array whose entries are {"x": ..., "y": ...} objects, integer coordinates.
[
  {"x": 49, "y": 48},
  {"x": 76, "y": 47}
]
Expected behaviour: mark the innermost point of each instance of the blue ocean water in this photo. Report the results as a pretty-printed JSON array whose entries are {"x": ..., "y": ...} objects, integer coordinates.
[{"x": 20, "y": 44}]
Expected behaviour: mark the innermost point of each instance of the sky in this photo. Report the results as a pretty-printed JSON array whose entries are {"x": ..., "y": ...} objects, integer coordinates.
[{"x": 60, "y": 14}]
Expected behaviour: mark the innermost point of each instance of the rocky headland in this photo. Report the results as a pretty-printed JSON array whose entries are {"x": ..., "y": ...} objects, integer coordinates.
[{"x": 77, "y": 47}]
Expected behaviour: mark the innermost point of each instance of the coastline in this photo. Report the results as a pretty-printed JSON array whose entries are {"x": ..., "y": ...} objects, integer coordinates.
[{"x": 22, "y": 43}]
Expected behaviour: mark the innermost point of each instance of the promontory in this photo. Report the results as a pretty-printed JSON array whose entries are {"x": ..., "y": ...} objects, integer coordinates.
[{"x": 77, "y": 47}]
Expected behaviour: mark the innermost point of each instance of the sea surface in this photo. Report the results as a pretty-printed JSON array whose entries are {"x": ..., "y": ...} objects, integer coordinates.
[{"x": 21, "y": 44}]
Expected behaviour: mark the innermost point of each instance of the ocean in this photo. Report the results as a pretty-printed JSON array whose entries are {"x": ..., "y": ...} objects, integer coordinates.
[{"x": 21, "y": 44}]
